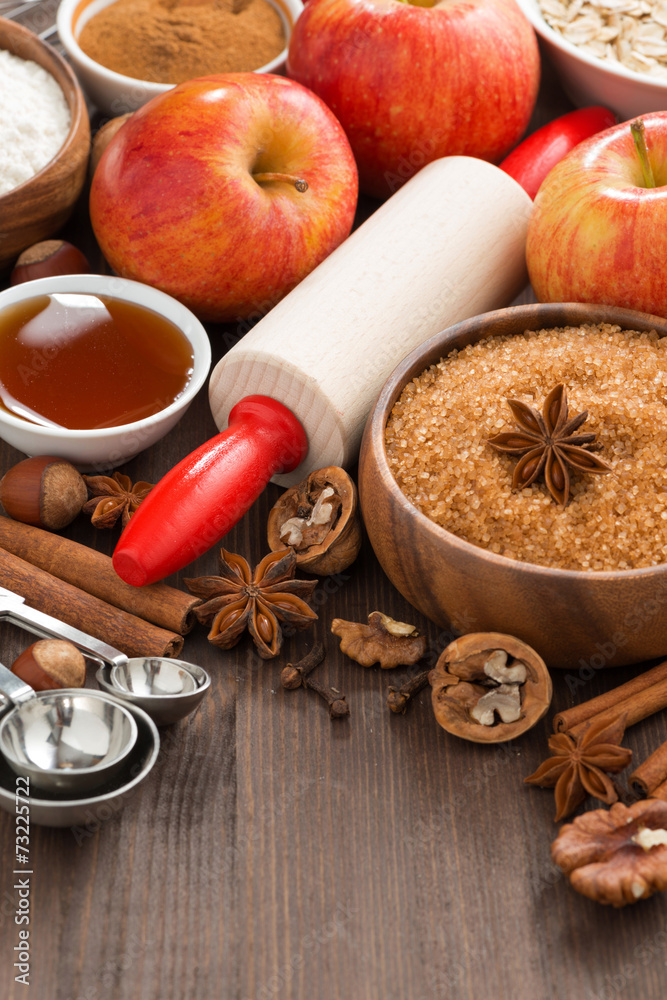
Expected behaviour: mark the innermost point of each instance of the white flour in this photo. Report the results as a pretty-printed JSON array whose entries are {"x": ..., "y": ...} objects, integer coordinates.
[{"x": 34, "y": 119}]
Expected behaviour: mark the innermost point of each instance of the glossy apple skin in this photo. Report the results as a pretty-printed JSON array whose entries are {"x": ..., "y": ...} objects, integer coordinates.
[
  {"x": 173, "y": 203},
  {"x": 411, "y": 84},
  {"x": 596, "y": 233}
]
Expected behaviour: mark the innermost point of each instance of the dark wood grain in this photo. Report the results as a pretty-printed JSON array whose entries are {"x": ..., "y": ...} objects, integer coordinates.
[{"x": 275, "y": 854}]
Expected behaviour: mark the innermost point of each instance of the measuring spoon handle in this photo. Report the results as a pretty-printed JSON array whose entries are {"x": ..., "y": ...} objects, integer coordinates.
[
  {"x": 13, "y": 687},
  {"x": 47, "y": 627}
]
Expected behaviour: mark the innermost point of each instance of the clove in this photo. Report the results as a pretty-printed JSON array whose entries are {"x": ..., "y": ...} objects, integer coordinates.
[
  {"x": 398, "y": 698},
  {"x": 295, "y": 675},
  {"x": 338, "y": 706}
]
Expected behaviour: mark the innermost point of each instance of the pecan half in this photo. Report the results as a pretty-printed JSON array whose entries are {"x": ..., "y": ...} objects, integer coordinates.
[
  {"x": 488, "y": 687},
  {"x": 382, "y": 640},
  {"x": 618, "y": 855},
  {"x": 319, "y": 518}
]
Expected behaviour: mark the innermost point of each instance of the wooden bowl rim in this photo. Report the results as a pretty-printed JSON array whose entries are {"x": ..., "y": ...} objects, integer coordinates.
[
  {"x": 439, "y": 346},
  {"x": 78, "y": 109}
]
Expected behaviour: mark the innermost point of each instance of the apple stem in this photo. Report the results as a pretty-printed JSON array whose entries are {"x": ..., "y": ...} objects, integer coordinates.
[
  {"x": 639, "y": 136},
  {"x": 298, "y": 182}
]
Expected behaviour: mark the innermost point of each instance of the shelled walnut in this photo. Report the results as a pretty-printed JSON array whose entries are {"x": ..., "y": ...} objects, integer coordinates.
[
  {"x": 488, "y": 687},
  {"x": 319, "y": 519},
  {"x": 618, "y": 855},
  {"x": 382, "y": 640}
]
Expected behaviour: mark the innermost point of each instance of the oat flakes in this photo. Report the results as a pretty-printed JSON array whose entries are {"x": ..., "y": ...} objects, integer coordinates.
[{"x": 630, "y": 32}]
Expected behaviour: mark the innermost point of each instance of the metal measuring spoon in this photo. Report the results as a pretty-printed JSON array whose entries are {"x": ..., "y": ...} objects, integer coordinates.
[
  {"x": 89, "y": 809},
  {"x": 68, "y": 740},
  {"x": 166, "y": 689}
]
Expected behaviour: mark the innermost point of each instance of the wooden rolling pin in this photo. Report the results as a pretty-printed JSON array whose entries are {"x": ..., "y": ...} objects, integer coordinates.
[{"x": 448, "y": 245}]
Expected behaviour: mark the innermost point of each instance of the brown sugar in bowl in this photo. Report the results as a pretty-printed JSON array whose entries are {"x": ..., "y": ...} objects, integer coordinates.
[
  {"x": 574, "y": 618},
  {"x": 37, "y": 208}
]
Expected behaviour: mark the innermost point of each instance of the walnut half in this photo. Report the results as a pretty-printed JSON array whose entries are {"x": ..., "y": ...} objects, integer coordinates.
[
  {"x": 319, "y": 519},
  {"x": 382, "y": 640},
  {"x": 618, "y": 855},
  {"x": 488, "y": 687}
]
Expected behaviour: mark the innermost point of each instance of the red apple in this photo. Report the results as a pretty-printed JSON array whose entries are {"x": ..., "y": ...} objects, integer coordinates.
[
  {"x": 598, "y": 233},
  {"x": 411, "y": 82},
  {"x": 225, "y": 192}
]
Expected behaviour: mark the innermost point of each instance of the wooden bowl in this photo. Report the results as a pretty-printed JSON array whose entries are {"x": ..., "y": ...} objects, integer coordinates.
[
  {"x": 37, "y": 208},
  {"x": 574, "y": 619}
]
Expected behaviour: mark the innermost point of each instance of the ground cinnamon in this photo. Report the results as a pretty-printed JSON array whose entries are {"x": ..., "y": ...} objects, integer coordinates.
[{"x": 170, "y": 41}]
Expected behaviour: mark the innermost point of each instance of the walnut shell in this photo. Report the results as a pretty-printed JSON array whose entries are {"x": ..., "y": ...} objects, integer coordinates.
[
  {"x": 460, "y": 680},
  {"x": 616, "y": 856},
  {"x": 332, "y": 542}
]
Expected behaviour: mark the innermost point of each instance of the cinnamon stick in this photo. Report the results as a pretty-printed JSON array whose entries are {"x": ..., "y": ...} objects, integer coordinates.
[
  {"x": 47, "y": 593},
  {"x": 638, "y": 706},
  {"x": 651, "y": 773},
  {"x": 660, "y": 792},
  {"x": 93, "y": 572},
  {"x": 572, "y": 717}
]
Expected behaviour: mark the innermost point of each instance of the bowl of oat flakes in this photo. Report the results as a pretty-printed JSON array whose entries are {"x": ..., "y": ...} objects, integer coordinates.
[
  {"x": 44, "y": 140},
  {"x": 544, "y": 517},
  {"x": 609, "y": 52}
]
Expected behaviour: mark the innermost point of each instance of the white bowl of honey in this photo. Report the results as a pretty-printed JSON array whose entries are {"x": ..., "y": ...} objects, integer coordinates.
[{"x": 95, "y": 368}]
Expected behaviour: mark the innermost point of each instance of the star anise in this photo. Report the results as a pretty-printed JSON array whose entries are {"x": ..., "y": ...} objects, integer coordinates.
[
  {"x": 113, "y": 497},
  {"x": 259, "y": 600},
  {"x": 548, "y": 445},
  {"x": 578, "y": 764}
]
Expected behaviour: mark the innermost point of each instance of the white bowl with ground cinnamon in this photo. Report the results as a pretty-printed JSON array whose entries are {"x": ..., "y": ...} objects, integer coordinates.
[
  {"x": 584, "y": 582},
  {"x": 127, "y": 51}
]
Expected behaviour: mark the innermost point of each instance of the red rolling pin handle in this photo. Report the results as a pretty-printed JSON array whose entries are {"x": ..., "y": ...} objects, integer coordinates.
[
  {"x": 531, "y": 161},
  {"x": 204, "y": 496}
]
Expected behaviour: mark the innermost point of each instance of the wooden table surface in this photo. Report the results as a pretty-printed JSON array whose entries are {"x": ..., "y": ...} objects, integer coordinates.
[{"x": 274, "y": 853}]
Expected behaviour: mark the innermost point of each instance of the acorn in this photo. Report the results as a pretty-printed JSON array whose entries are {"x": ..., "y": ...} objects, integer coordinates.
[
  {"x": 45, "y": 491},
  {"x": 48, "y": 259},
  {"x": 50, "y": 664}
]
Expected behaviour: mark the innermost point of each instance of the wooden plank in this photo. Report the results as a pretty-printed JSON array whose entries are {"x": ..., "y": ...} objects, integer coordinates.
[{"x": 275, "y": 854}]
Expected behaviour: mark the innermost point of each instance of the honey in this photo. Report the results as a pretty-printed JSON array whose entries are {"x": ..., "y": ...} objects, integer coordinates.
[{"x": 86, "y": 361}]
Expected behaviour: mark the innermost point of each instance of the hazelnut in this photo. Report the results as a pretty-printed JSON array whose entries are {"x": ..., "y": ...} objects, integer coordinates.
[
  {"x": 51, "y": 663},
  {"x": 47, "y": 259},
  {"x": 103, "y": 137},
  {"x": 45, "y": 491}
]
